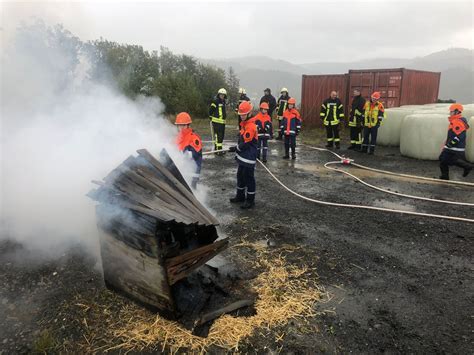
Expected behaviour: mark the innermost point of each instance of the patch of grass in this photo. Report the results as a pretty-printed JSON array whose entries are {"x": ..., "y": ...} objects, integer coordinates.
[{"x": 45, "y": 343}]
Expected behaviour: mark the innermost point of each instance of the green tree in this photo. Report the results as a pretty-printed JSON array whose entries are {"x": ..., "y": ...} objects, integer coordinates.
[{"x": 233, "y": 84}]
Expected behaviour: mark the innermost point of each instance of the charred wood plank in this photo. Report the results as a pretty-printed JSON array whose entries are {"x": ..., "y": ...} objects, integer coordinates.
[
  {"x": 224, "y": 310},
  {"x": 180, "y": 266}
]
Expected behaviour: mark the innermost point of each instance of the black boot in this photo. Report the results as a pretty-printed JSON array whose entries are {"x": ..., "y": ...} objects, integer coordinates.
[
  {"x": 293, "y": 156},
  {"x": 237, "y": 199},
  {"x": 363, "y": 149},
  {"x": 248, "y": 205},
  {"x": 466, "y": 172},
  {"x": 444, "y": 177},
  {"x": 286, "y": 156}
]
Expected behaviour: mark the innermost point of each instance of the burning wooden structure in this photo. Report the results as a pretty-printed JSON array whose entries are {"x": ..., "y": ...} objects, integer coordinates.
[{"x": 153, "y": 230}]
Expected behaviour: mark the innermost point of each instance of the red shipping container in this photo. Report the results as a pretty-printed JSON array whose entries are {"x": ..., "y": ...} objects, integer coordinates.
[
  {"x": 397, "y": 87},
  {"x": 315, "y": 89}
]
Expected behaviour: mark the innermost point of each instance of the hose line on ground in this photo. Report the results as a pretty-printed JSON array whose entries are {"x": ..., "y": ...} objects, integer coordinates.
[
  {"x": 373, "y": 208},
  {"x": 392, "y": 192},
  {"x": 326, "y": 203},
  {"x": 391, "y": 172}
]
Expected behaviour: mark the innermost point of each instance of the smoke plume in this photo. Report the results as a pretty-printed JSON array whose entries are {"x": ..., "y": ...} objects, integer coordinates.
[{"x": 60, "y": 130}]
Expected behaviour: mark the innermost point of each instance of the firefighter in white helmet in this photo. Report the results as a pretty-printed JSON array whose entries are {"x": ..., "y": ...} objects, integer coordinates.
[
  {"x": 242, "y": 97},
  {"x": 217, "y": 115},
  {"x": 282, "y": 104}
]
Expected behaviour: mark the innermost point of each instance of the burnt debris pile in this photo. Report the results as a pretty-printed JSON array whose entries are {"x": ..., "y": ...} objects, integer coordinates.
[{"x": 154, "y": 235}]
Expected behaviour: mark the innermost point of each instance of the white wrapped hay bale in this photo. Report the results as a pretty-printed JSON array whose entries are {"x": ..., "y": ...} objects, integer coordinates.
[
  {"x": 389, "y": 131},
  {"x": 470, "y": 141},
  {"x": 423, "y": 135}
]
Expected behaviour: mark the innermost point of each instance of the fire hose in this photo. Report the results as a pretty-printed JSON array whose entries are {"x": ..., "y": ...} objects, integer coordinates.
[{"x": 373, "y": 208}]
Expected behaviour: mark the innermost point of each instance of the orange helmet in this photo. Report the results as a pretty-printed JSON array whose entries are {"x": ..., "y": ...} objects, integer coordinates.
[
  {"x": 454, "y": 107},
  {"x": 375, "y": 95},
  {"x": 292, "y": 101},
  {"x": 183, "y": 118},
  {"x": 264, "y": 105},
  {"x": 245, "y": 108}
]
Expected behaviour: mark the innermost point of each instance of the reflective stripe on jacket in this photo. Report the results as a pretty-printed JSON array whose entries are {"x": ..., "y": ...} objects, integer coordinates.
[
  {"x": 247, "y": 145},
  {"x": 282, "y": 104},
  {"x": 217, "y": 112},
  {"x": 332, "y": 112},
  {"x": 264, "y": 125},
  {"x": 357, "y": 111},
  {"x": 374, "y": 114},
  {"x": 457, "y": 132},
  {"x": 290, "y": 125}
]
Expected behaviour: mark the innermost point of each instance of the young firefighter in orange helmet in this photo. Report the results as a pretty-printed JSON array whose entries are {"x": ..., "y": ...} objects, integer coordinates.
[
  {"x": 290, "y": 126},
  {"x": 374, "y": 113},
  {"x": 453, "y": 151},
  {"x": 189, "y": 143},
  {"x": 246, "y": 157},
  {"x": 265, "y": 130}
]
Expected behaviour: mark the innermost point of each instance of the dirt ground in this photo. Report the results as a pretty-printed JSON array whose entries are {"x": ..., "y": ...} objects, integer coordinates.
[{"x": 396, "y": 283}]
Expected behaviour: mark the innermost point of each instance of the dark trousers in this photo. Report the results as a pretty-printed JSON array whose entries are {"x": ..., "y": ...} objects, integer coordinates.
[
  {"x": 356, "y": 136},
  {"x": 449, "y": 157},
  {"x": 290, "y": 142},
  {"x": 332, "y": 134},
  {"x": 370, "y": 138},
  {"x": 262, "y": 148},
  {"x": 280, "y": 133},
  {"x": 219, "y": 132},
  {"x": 246, "y": 183}
]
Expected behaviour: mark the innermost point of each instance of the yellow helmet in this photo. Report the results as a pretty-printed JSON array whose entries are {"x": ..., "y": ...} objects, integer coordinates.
[{"x": 222, "y": 91}]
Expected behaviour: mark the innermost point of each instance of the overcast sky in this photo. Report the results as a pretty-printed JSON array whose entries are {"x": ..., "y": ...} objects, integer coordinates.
[{"x": 299, "y": 32}]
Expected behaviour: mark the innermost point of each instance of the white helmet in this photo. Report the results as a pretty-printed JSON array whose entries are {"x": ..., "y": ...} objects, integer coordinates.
[
  {"x": 222, "y": 91},
  {"x": 242, "y": 91},
  {"x": 284, "y": 90}
]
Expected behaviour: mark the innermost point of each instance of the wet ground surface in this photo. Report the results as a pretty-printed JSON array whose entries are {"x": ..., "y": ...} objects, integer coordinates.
[{"x": 397, "y": 283}]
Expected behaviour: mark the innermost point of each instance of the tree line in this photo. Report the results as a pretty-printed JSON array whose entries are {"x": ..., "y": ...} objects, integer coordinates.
[{"x": 180, "y": 81}]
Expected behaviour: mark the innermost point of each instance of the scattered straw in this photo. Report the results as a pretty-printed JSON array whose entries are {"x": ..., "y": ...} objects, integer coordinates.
[{"x": 284, "y": 293}]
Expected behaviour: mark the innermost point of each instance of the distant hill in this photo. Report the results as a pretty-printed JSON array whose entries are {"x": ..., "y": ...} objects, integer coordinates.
[{"x": 256, "y": 73}]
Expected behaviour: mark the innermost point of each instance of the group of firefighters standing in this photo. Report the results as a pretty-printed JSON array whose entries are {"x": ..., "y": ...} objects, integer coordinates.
[{"x": 255, "y": 130}]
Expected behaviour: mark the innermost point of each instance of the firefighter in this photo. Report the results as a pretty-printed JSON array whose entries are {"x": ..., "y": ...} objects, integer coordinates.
[
  {"x": 265, "y": 130},
  {"x": 281, "y": 107},
  {"x": 246, "y": 156},
  {"x": 189, "y": 143},
  {"x": 270, "y": 100},
  {"x": 217, "y": 115},
  {"x": 332, "y": 112},
  {"x": 373, "y": 117},
  {"x": 290, "y": 127},
  {"x": 454, "y": 150},
  {"x": 242, "y": 97},
  {"x": 355, "y": 120}
]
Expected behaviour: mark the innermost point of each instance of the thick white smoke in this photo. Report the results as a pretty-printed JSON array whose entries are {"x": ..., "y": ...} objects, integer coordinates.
[{"x": 60, "y": 130}]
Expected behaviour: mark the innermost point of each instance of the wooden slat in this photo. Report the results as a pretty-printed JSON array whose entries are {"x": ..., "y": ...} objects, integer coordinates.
[
  {"x": 155, "y": 202},
  {"x": 136, "y": 274},
  {"x": 173, "y": 169},
  {"x": 180, "y": 187},
  {"x": 181, "y": 266}
]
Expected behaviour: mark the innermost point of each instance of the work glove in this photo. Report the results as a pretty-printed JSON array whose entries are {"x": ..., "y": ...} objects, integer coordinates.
[{"x": 233, "y": 149}]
